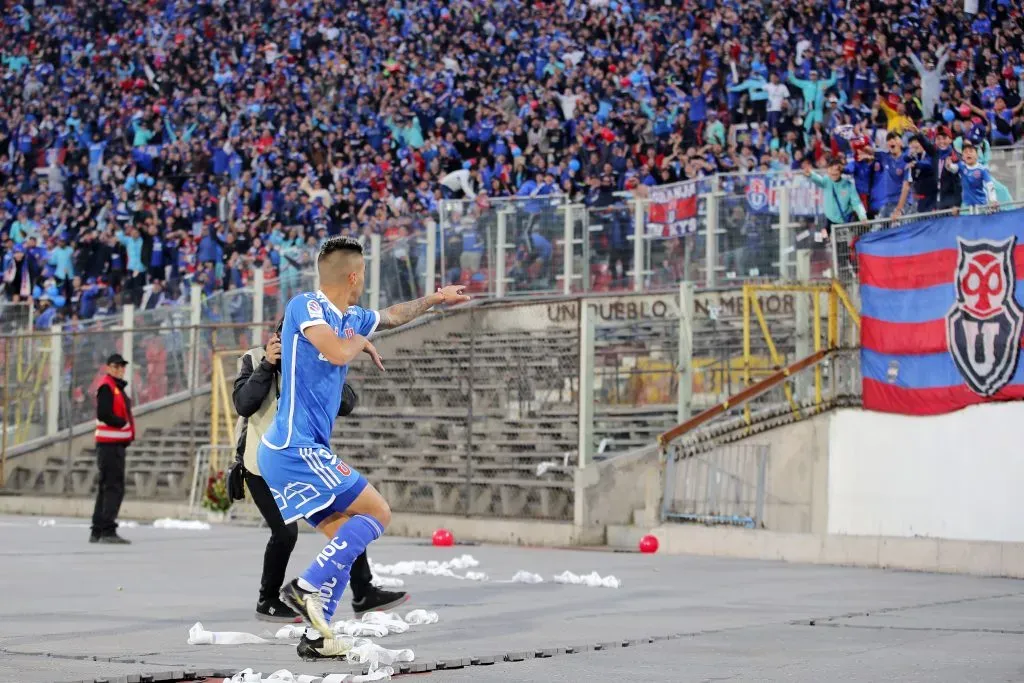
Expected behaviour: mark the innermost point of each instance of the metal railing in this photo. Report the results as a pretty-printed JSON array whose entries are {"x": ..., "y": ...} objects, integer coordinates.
[{"x": 845, "y": 235}]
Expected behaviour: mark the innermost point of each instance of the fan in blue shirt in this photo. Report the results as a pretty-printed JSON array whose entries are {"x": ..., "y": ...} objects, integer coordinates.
[{"x": 975, "y": 179}]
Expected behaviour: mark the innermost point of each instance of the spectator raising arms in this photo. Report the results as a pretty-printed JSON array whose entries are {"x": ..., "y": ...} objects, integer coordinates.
[{"x": 172, "y": 141}]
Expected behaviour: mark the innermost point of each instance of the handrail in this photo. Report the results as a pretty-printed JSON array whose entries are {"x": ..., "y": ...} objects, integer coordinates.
[{"x": 741, "y": 397}]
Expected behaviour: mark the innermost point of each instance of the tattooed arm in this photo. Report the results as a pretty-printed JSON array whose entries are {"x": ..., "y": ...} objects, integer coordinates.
[{"x": 400, "y": 314}]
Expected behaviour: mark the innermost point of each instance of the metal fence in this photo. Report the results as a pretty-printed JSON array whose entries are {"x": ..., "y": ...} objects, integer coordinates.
[
  {"x": 48, "y": 399},
  {"x": 503, "y": 246},
  {"x": 726, "y": 485},
  {"x": 472, "y": 421},
  {"x": 845, "y": 236}
]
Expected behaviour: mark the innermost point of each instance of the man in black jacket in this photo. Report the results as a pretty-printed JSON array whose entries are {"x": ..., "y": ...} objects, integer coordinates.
[{"x": 255, "y": 395}]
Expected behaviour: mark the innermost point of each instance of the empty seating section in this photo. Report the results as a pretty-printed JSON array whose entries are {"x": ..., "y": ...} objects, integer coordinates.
[{"x": 411, "y": 434}]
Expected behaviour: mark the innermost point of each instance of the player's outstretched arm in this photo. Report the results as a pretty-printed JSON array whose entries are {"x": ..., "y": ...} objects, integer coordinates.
[
  {"x": 336, "y": 350},
  {"x": 400, "y": 314}
]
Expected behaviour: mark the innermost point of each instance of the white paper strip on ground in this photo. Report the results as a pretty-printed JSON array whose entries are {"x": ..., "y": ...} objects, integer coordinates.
[
  {"x": 184, "y": 524},
  {"x": 593, "y": 579}
]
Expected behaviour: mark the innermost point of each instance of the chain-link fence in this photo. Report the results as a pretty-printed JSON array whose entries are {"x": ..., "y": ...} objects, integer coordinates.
[
  {"x": 845, "y": 236},
  {"x": 470, "y": 421},
  {"x": 635, "y": 383},
  {"x": 725, "y": 485},
  {"x": 503, "y": 246},
  {"x": 48, "y": 401}
]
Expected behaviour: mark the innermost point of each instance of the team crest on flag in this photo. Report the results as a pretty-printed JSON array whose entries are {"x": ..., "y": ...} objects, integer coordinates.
[{"x": 984, "y": 325}]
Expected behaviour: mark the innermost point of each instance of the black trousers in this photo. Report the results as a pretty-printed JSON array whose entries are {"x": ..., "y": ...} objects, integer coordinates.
[
  {"x": 282, "y": 542},
  {"x": 110, "y": 489}
]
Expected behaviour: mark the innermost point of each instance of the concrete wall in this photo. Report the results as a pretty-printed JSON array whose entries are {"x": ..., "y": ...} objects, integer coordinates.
[
  {"x": 954, "y": 476},
  {"x": 797, "y": 476},
  {"x": 615, "y": 490},
  {"x": 914, "y": 554}
]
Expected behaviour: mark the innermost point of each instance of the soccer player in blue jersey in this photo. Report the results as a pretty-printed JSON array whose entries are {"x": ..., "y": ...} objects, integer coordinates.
[
  {"x": 323, "y": 332},
  {"x": 975, "y": 179}
]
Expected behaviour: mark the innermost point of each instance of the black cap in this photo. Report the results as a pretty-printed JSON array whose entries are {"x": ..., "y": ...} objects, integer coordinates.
[{"x": 116, "y": 359}]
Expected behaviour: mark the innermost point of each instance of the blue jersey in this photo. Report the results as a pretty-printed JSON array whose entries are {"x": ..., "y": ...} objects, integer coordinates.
[
  {"x": 976, "y": 182},
  {"x": 310, "y": 384}
]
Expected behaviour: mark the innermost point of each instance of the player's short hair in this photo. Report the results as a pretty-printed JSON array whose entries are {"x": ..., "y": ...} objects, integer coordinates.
[{"x": 339, "y": 244}]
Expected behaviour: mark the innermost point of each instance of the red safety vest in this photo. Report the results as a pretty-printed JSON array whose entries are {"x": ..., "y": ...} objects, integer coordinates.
[{"x": 104, "y": 432}]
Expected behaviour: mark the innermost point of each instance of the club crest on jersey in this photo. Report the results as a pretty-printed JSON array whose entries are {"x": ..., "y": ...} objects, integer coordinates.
[
  {"x": 314, "y": 309},
  {"x": 984, "y": 325}
]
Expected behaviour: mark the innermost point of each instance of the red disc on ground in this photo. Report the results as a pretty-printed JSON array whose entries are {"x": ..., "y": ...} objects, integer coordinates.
[
  {"x": 443, "y": 538},
  {"x": 649, "y": 544}
]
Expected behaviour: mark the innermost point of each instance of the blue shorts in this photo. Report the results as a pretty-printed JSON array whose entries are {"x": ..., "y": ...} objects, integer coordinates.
[{"x": 309, "y": 481}]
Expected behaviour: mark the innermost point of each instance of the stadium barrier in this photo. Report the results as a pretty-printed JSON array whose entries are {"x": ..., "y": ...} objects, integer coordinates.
[{"x": 47, "y": 401}]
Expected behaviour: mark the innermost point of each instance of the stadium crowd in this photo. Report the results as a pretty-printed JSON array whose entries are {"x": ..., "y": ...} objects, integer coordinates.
[{"x": 173, "y": 140}]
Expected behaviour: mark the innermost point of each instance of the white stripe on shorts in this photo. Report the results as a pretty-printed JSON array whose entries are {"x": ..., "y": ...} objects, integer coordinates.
[{"x": 311, "y": 462}]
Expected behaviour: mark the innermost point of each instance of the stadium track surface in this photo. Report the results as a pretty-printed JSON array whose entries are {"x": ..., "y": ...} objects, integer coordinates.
[{"x": 711, "y": 619}]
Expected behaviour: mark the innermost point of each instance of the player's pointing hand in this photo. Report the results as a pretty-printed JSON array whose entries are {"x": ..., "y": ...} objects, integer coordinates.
[
  {"x": 372, "y": 350},
  {"x": 452, "y": 294}
]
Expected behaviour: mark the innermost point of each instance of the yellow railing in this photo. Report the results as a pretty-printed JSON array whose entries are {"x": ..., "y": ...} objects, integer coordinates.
[{"x": 836, "y": 297}]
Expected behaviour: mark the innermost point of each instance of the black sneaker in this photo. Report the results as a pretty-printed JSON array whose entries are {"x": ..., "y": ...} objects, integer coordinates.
[
  {"x": 113, "y": 539},
  {"x": 275, "y": 610},
  {"x": 307, "y": 604},
  {"x": 322, "y": 648},
  {"x": 378, "y": 600},
  {"x": 94, "y": 538}
]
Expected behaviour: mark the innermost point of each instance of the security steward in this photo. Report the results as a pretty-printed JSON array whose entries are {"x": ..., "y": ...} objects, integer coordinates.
[
  {"x": 115, "y": 430},
  {"x": 256, "y": 391}
]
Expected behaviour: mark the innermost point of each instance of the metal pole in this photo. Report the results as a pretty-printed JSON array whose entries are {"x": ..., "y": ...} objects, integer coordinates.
[
  {"x": 5, "y": 345},
  {"x": 193, "y": 362},
  {"x": 586, "y": 397},
  {"x": 684, "y": 392},
  {"x": 568, "y": 248},
  {"x": 195, "y": 316},
  {"x": 53, "y": 393},
  {"x": 469, "y": 414},
  {"x": 499, "y": 267},
  {"x": 430, "y": 258},
  {"x": 711, "y": 241},
  {"x": 638, "y": 245},
  {"x": 442, "y": 217},
  {"x": 128, "y": 340},
  {"x": 803, "y": 321},
  {"x": 258, "y": 289},
  {"x": 374, "y": 272},
  {"x": 784, "y": 233},
  {"x": 70, "y": 417}
]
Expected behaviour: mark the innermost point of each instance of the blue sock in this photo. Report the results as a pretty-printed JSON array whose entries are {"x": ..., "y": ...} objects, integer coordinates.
[{"x": 332, "y": 566}]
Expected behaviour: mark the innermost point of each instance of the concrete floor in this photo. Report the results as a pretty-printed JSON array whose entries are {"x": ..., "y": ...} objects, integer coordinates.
[{"x": 69, "y": 607}]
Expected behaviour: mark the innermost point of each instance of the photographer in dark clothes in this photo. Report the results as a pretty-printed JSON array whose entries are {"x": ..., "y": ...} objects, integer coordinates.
[{"x": 255, "y": 395}]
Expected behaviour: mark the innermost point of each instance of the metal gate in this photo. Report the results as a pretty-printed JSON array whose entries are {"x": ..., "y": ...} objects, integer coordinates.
[{"x": 725, "y": 485}]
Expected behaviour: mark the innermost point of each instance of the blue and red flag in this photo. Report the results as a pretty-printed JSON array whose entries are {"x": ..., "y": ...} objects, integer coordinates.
[{"x": 942, "y": 305}]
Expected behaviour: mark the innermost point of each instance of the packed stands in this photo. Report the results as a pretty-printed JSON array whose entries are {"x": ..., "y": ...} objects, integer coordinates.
[{"x": 197, "y": 141}]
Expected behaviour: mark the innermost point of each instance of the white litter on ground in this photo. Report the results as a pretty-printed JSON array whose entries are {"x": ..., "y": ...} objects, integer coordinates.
[
  {"x": 186, "y": 524},
  {"x": 431, "y": 568},
  {"x": 522, "y": 576},
  {"x": 285, "y": 676},
  {"x": 593, "y": 579},
  {"x": 435, "y": 568},
  {"x": 47, "y": 522},
  {"x": 421, "y": 617},
  {"x": 197, "y": 635}
]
